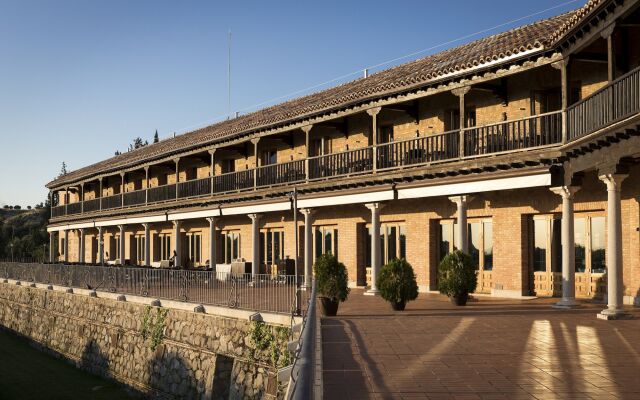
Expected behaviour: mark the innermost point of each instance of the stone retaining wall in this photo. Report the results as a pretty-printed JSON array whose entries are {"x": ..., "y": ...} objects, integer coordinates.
[{"x": 199, "y": 356}]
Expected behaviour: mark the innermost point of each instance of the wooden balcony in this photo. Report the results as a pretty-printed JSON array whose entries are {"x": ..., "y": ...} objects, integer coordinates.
[{"x": 618, "y": 100}]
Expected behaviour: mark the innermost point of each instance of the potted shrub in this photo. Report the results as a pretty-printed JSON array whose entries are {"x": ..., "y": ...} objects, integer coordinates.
[
  {"x": 457, "y": 277},
  {"x": 331, "y": 278},
  {"x": 397, "y": 284}
]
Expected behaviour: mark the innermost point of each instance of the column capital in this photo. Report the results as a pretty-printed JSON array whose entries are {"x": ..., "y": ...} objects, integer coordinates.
[
  {"x": 177, "y": 223},
  {"x": 374, "y": 111},
  {"x": 255, "y": 140},
  {"x": 307, "y": 128},
  {"x": 566, "y": 192},
  {"x": 307, "y": 211},
  {"x": 212, "y": 219},
  {"x": 254, "y": 217},
  {"x": 145, "y": 225},
  {"x": 374, "y": 206},
  {"x": 461, "y": 199},
  {"x": 561, "y": 64},
  {"x": 608, "y": 31},
  {"x": 213, "y": 151},
  {"x": 146, "y": 168},
  {"x": 99, "y": 230},
  {"x": 121, "y": 227},
  {"x": 461, "y": 91},
  {"x": 81, "y": 230},
  {"x": 613, "y": 181}
]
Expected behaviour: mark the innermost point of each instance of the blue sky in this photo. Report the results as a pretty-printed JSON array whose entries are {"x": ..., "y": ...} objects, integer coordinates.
[{"x": 81, "y": 79}]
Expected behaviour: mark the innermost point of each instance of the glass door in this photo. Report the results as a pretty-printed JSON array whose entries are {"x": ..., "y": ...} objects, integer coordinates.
[
  {"x": 546, "y": 255},
  {"x": 271, "y": 250},
  {"x": 590, "y": 239}
]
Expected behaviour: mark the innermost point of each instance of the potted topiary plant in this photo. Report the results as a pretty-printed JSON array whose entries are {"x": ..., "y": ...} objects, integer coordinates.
[
  {"x": 331, "y": 278},
  {"x": 397, "y": 283},
  {"x": 457, "y": 277}
]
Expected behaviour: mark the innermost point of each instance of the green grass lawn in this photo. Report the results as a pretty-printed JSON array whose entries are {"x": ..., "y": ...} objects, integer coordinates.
[{"x": 26, "y": 373}]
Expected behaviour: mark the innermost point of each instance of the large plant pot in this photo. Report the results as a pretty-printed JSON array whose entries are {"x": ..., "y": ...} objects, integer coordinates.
[
  {"x": 460, "y": 299},
  {"x": 329, "y": 308},
  {"x": 398, "y": 306}
]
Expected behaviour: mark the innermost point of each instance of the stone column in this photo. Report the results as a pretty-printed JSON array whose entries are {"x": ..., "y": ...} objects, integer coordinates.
[
  {"x": 375, "y": 246},
  {"x": 255, "y": 243},
  {"x": 461, "y": 233},
  {"x": 212, "y": 243},
  {"x": 100, "y": 246},
  {"x": 373, "y": 112},
  {"x": 308, "y": 246},
  {"x": 122, "y": 242},
  {"x": 81, "y": 245},
  {"x": 147, "y": 244},
  {"x": 568, "y": 248},
  {"x": 52, "y": 243},
  {"x": 460, "y": 93},
  {"x": 177, "y": 246},
  {"x": 66, "y": 246},
  {"x": 614, "y": 248}
]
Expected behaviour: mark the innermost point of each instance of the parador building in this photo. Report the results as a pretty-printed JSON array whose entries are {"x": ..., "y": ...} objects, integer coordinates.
[{"x": 521, "y": 149}]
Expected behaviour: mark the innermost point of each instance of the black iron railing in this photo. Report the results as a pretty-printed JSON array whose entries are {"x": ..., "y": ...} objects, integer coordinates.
[{"x": 267, "y": 293}]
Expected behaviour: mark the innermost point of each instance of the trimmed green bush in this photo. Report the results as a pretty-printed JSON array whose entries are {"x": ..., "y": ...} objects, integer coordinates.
[
  {"x": 457, "y": 275},
  {"x": 397, "y": 282},
  {"x": 331, "y": 278}
]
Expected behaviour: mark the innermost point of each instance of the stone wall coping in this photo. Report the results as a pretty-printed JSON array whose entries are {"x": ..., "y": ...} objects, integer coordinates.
[{"x": 218, "y": 311}]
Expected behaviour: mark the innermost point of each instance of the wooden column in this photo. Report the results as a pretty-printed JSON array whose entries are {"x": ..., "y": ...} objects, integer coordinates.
[
  {"x": 100, "y": 180},
  {"x": 146, "y": 186},
  {"x": 563, "y": 66},
  {"x": 607, "y": 33},
  {"x": 373, "y": 112},
  {"x": 307, "y": 132},
  {"x": 255, "y": 142},
  {"x": 177, "y": 161},
  {"x": 122, "y": 174},
  {"x": 212, "y": 169},
  {"x": 461, "y": 92},
  {"x": 81, "y": 199}
]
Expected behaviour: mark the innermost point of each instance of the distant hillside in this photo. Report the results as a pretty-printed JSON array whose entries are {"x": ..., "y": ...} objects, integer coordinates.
[{"x": 26, "y": 230}]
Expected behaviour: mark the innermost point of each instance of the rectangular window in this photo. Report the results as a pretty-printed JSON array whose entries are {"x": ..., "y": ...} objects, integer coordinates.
[
  {"x": 474, "y": 242},
  {"x": 165, "y": 247},
  {"x": 393, "y": 243},
  {"x": 269, "y": 157},
  {"x": 117, "y": 248},
  {"x": 140, "y": 248},
  {"x": 488, "y": 246},
  {"x": 446, "y": 239},
  {"x": 228, "y": 165},
  {"x": 271, "y": 246},
  {"x": 194, "y": 243},
  {"x": 598, "y": 262},
  {"x": 580, "y": 244},
  {"x": 326, "y": 240},
  {"x": 541, "y": 233},
  {"x": 231, "y": 246}
]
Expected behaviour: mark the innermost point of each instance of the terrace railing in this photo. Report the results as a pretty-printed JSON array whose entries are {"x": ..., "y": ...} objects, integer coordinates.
[
  {"x": 266, "y": 293},
  {"x": 524, "y": 133},
  {"x": 233, "y": 181},
  {"x": 618, "y": 100},
  {"x": 162, "y": 193},
  {"x": 194, "y": 188},
  {"x": 289, "y": 172},
  {"x": 422, "y": 150},
  {"x": 339, "y": 164},
  {"x": 135, "y": 198},
  {"x": 74, "y": 208},
  {"x": 58, "y": 211}
]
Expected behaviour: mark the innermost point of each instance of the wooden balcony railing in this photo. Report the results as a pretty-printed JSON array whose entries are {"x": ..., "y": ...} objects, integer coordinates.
[
  {"x": 233, "y": 181},
  {"x": 58, "y": 211},
  {"x": 524, "y": 133},
  {"x": 162, "y": 193},
  {"x": 289, "y": 172},
  {"x": 110, "y": 202},
  {"x": 618, "y": 100},
  {"x": 339, "y": 164},
  {"x": 194, "y": 188},
  {"x": 422, "y": 150},
  {"x": 135, "y": 198},
  {"x": 91, "y": 205}
]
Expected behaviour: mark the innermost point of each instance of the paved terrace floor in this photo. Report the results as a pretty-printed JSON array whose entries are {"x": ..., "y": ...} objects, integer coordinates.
[{"x": 490, "y": 349}]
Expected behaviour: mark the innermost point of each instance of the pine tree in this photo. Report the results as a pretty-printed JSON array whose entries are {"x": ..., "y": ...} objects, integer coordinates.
[
  {"x": 63, "y": 169},
  {"x": 156, "y": 139}
]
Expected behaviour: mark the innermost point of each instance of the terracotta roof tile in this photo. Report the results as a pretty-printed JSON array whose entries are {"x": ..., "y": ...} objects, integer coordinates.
[{"x": 536, "y": 36}]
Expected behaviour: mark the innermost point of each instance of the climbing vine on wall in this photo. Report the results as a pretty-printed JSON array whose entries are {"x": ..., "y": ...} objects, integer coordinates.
[
  {"x": 153, "y": 325},
  {"x": 273, "y": 341}
]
